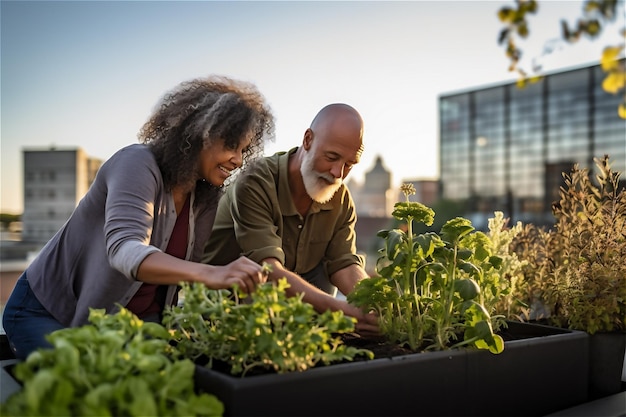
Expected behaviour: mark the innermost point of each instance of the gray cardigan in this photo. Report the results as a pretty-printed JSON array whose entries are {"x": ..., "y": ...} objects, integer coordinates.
[{"x": 127, "y": 214}]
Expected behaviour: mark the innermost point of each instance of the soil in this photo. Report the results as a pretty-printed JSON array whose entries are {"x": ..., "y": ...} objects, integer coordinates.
[{"x": 379, "y": 347}]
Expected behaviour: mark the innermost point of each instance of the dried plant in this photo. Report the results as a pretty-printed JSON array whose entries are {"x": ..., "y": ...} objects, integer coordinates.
[{"x": 576, "y": 271}]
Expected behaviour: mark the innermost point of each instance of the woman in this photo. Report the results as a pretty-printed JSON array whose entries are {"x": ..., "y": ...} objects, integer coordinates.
[{"x": 142, "y": 226}]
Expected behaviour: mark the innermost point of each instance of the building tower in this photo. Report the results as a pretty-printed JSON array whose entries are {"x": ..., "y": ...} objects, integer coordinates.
[
  {"x": 504, "y": 148},
  {"x": 375, "y": 197},
  {"x": 54, "y": 182}
]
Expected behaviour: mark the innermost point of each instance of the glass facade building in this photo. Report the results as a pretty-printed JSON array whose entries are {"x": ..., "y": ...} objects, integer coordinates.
[{"x": 504, "y": 147}]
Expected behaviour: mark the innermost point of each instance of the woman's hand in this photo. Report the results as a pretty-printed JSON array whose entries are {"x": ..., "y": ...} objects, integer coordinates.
[{"x": 243, "y": 272}]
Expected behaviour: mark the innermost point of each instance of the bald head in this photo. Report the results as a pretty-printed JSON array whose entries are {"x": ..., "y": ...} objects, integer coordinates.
[
  {"x": 330, "y": 148},
  {"x": 339, "y": 122}
]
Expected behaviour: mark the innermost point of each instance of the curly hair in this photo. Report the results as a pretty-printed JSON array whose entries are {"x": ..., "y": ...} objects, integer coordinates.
[{"x": 199, "y": 112}]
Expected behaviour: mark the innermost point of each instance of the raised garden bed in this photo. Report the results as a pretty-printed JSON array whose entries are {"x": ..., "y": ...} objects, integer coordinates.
[{"x": 542, "y": 369}]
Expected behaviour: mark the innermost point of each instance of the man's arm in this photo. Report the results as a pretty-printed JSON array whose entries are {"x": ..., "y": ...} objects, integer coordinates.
[
  {"x": 367, "y": 324},
  {"x": 320, "y": 300},
  {"x": 346, "y": 278}
]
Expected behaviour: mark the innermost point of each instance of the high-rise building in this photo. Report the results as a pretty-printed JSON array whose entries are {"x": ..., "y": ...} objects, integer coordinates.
[
  {"x": 54, "y": 182},
  {"x": 503, "y": 147}
]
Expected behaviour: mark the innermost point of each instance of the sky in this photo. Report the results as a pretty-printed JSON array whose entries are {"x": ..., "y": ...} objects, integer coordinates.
[{"x": 89, "y": 73}]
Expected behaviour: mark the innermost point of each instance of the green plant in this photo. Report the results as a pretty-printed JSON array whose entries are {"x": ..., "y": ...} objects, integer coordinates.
[
  {"x": 533, "y": 246},
  {"x": 429, "y": 288},
  {"x": 269, "y": 331},
  {"x": 116, "y": 366},
  {"x": 579, "y": 270},
  {"x": 509, "y": 281}
]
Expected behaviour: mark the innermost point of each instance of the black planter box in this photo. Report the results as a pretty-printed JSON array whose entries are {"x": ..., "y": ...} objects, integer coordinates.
[
  {"x": 606, "y": 361},
  {"x": 8, "y": 384},
  {"x": 544, "y": 372}
]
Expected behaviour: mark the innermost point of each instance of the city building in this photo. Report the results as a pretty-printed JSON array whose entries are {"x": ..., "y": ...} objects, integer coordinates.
[
  {"x": 374, "y": 201},
  {"x": 54, "y": 182},
  {"x": 504, "y": 147},
  {"x": 426, "y": 191},
  {"x": 375, "y": 198}
]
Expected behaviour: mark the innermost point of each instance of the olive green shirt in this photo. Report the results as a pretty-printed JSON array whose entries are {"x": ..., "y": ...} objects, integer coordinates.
[{"x": 257, "y": 218}]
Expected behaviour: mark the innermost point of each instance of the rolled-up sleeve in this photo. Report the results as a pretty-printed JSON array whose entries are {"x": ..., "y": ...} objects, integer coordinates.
[{"x": 257, "y": 222}]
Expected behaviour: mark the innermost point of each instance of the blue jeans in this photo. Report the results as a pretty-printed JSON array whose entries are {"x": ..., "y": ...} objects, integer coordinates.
[{"x": 26, "y": 322}]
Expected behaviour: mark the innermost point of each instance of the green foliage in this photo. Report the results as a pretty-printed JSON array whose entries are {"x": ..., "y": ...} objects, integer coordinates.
[
  {"x": 445, "y": 209},
  {"x": 579, "y": 273},
  {"x": 430, "y": 288},
  {"x": 516, "y": 25},
  {"x": 596, "y": 14},
  {"x": 116, "y": 366},
  {"x": 270, "y": 331},
  {"x": 533, "y": 246},
  {"x": 508, "y": 283}
]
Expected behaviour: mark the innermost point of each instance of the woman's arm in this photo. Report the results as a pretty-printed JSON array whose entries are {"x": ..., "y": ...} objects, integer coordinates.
[{"x": 161, "y": 268}]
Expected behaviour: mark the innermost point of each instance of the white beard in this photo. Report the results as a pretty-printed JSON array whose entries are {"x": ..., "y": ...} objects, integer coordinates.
[{"x": 319, "y": 186}]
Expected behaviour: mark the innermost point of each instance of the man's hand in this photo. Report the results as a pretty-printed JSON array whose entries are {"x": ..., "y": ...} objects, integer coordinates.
[{"x": 367, "y": 323}]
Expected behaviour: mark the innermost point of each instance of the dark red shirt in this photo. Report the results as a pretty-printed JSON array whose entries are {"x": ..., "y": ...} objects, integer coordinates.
[{"x": 150, "y": 298}]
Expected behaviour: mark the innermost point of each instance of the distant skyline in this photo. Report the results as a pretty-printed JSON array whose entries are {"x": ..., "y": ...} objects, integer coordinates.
[{"x": 88, "y": 73}]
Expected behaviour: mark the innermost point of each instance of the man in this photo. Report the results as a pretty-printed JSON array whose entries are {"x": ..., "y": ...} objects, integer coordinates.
[{"x": 292, "y": 211}]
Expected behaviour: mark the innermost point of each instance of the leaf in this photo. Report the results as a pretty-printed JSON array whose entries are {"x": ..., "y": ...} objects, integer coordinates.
[
  {"x": 468, "y": 289},
  {"x": 609, "y": 60},
  {"x": 394, "y": 241},
  {"x": 425, "y": 244},
  {"x": 591, "y": 6},
  {"x": 469, "y": 268},
  {"x": 593, "y": 28},
  {"x": 522, "y": 30},
  {"x": 495, "y": 261},
  {"x": 614, "y": 82},
  {"x": 415, "y": 211},
  {"x": 495, "y": 344},
  {"x": 505, "y": 14},
  {"x": 504, "y": 33},
  {"x": 454, "y": 229}
]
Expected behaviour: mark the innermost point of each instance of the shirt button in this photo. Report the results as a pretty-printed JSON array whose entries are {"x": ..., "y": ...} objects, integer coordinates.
[{"x": 299, "y": 226}]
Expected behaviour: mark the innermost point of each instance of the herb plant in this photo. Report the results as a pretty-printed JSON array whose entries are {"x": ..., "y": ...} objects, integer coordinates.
[
  {"x": 429, "y": 288},
  {"x": 580, "y": 273},
  {"x": 508, "y": 281},
  {"x": 268, "y": 332},
  {"x": 116, "y": 366}
]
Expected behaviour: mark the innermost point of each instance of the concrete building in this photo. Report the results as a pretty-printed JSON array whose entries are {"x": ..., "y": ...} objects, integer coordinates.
[
  {"x": 504, "y": 148},
  {"x": 54, "y": 182}
]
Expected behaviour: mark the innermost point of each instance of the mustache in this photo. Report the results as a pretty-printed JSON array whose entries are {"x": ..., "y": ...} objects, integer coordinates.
[{"x": 329, "y": 178}]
